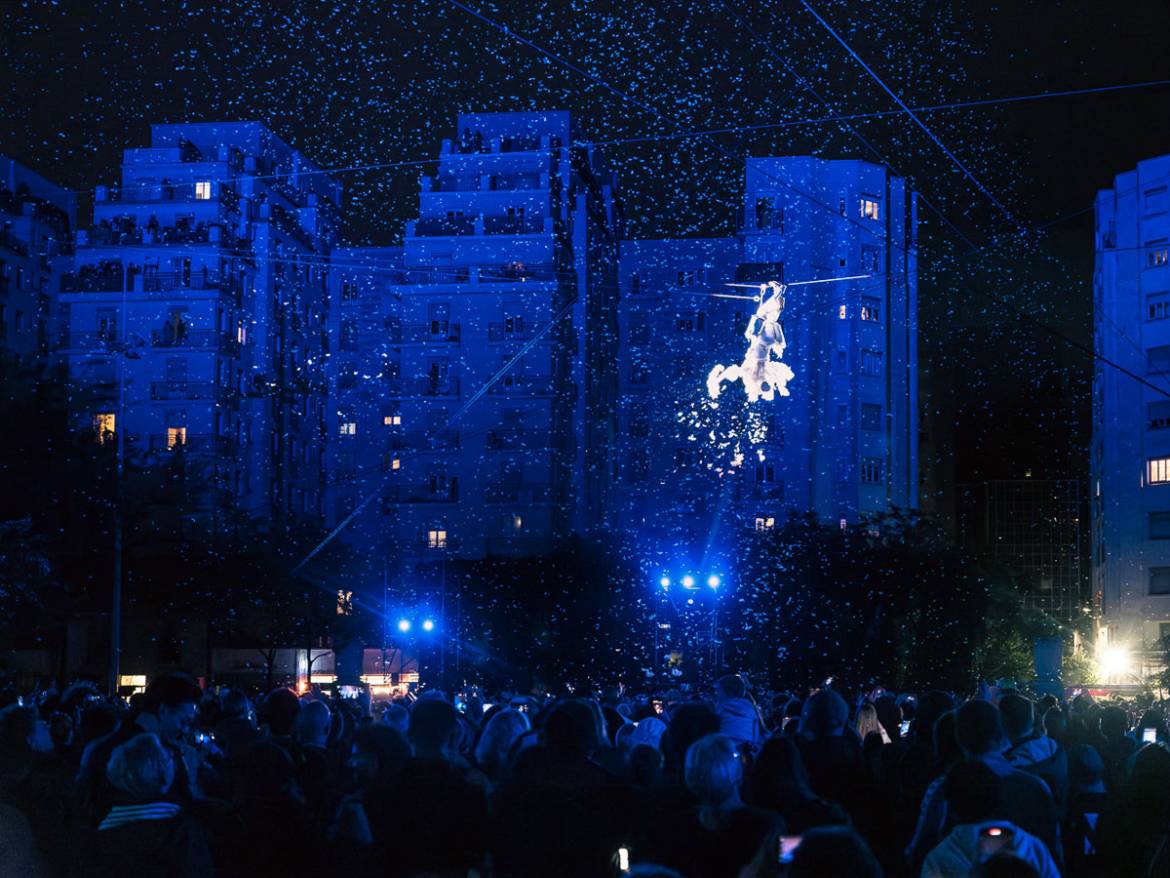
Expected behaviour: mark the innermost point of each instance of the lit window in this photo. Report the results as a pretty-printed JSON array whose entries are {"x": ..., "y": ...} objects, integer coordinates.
[
  {"x": 871, "y": 310},
  {"x": 103, "y": 426},
  {"x": 392, "y": 420},
  {"x": 241, "y": 333},
  {"x": 437, "y": 539},
  {"x": 765, "y": 522},
  {"x": 844, "y": 523},
  {"x": 1157, "y": 255},
  {"x": 1158, "y": 471},
  {"x": 870, "y": 208},
  {"x": 842, "y": 312},
  {"x": 348, "y": 428},
  {"x": 517, "y": 522},
  {"x": 176, "y": 436},
  {"x": 396, "y": 463},
  {"x": 203, "y": 190},
  {"x": 344, "y": 602}
]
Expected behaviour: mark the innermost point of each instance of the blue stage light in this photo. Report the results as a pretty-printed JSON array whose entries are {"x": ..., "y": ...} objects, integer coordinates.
[
  {"x": 428, "y": 625},
  {"x": 688, "y": 581},
  {"x": 404, "y": 625},
  {"x": 713, "y": 581}
]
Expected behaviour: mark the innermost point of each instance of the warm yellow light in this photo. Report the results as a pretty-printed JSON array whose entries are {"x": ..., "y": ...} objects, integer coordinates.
[{"x": 1115, "y": 661}]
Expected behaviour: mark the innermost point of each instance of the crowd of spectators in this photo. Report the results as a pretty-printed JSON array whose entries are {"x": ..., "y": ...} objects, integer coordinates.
[{"x": 181, "y": 781}]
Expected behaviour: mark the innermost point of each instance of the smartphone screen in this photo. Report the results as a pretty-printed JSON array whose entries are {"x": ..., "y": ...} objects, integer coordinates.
[
  {"x": 1149, "y": 735},
  {"x": 993, "y": 839},
  {"x": 788, "y": 846},
  {"x": 658, "y": 708},
  {"x": 904, "y": 729}
]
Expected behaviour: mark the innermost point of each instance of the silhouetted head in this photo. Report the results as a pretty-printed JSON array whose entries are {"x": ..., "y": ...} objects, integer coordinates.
[
  {"x": 434, "y": 727},
  {"x": 572, "y": 729},
  {"x": 824, "y": 715},
  {"x": 142, "y": 767},
  {"x": 279, "y": 711},
  {"x": 1018, "y": 717},
  {"x": 731, "y": 686},
  {"x": 833, "y": 852},
  {"x": 971, "y": 789},
  {"x": 978, "y": 729},
  {"x": 172, "y": 698}
]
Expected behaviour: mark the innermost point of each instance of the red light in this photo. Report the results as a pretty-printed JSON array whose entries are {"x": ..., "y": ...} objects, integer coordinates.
[{"x": 995, "y": 832}]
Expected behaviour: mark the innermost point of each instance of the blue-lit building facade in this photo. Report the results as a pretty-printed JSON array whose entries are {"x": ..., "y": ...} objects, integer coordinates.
[
  {"x": 473, "y": 370},
  {"x": 37, "y": 219},
  {"x": 844, "y": 443},
  {"x": 195, "y": 317},
  {"x": 1130, "y": 454}
]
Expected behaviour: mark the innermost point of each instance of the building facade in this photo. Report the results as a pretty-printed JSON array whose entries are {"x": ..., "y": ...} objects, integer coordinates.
[
  {"x": 474, "y": 367},
  {"x": 37, "y": 220},
  {"x": 1130, "y": 453},
  {"x": 195, "y": 318},
  {"x": 843, "y": 444}
]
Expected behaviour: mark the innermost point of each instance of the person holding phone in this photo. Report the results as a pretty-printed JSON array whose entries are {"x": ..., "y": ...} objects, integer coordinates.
[{"x": 973, "y": 795}]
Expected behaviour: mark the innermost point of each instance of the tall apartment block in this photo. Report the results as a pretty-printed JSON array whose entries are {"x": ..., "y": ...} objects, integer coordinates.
[
  {"x": 844, "y": 443},
  {"x": 196, "y": 316},
  {"x": 474, "y": 367},
  {"x": 37, "y": 219},
  {"x": 1130, "y": 455}
]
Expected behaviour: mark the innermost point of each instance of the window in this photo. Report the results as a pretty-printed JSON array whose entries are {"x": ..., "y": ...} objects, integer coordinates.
[
  {"x": 871, "y": 259},
  {"x": 176, "y": 437},
  {"x": 637, "y": 283},
  {"x": 765, "y": 473},
  {"x": 871, "y": 310},
  {"x": 1159, "y": 525},
  {"x": 241, "y": 332},
  {"x": 842, "y": 361},
  {"x": 1160, "y": 580},
  {"x": 691, "y": 321},
  {"x": 203, "y": 190},
  {"x": 439, "y": 319},
  {"x": 639, "y": 374},
  {"x": 871, "y": 470},
  {"x": 1158, "y": 359},
  {"x": 686, "y": 456},
  {"x": 1155, "y": 200},
  {"x": 842, "y": 312},
  {"x": 437, "y": 538},
  {"x": 765, "y": 522},
  {"x": 347, "y": 427},
  {"x": 870, "y": 207},
  {"x": 769, "y": 215},
  {"x": 1158, "y": 471},
  {"x": 392, "y": 420},
  {"x": 689, "y": 277},
  {"x": 103, "y": 426},
  {"x": 1157, "y": 254},
  {"x": 871, "y": 416},
  {"x": 517, "y": 522},
  {"x": 349, "y": 291},
  {"x": 1158, "y": 306},
  {"x": 344, "y": 602},
  {"x": 1158, "y": 416},
  {"x": 349, "y": 335},
  {"x": 871, "y": 363},
  {"x": 107, "y": 323}
]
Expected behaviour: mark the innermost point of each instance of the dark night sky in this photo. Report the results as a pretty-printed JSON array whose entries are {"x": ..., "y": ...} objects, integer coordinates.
[{"x": 359, "y": 83}]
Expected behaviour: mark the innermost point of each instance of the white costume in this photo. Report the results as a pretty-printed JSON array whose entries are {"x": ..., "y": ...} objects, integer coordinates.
[{"x": 762, "y": 375}]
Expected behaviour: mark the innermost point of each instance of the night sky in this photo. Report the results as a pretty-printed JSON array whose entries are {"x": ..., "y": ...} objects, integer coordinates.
[{"x": 376, "y": 83}]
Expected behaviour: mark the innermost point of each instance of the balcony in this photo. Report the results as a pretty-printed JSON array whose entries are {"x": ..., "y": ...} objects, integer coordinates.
[
  {"x": 519, "y": 438},
  {"x": 500, "y": 332},
  {"x": 10, "y": 241},
  {"x": 442, "y": 440},
  {"x": 182, "y": 390},
  {"x": 502, "y": 225},
  {"x": 194, "y": 444},
  {"x": 424, "y": 387},
  {"x": 163, "y": 282},
  {"x": 444, "y": 226},
  {"x": 196, "y": 339},
  {"x": 524, "y": 385},
  {"x": 503, "y": 493},
  {"x": 424, "y": 492},
  {"x": 427, "y": 333}
]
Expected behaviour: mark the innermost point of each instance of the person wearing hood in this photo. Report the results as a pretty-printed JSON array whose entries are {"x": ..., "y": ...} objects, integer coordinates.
[
  {"x": 739, "y": 719},
  {"x": 972, "y": 791},
  {"x": 1035, "y": 753}
]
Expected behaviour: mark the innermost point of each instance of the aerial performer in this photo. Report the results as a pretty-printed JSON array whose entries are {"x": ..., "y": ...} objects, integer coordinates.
[{"x": 763, "y": 370}]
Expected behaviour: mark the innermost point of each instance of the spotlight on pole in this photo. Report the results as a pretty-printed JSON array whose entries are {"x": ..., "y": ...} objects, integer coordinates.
[
  {"x": 403, "y": 625},
  {"x": 664, "y": 582},
  {"x": 713, "y": 580},
  {"x": 428, "y": 625},
  {"x": 688, "y": 581}
]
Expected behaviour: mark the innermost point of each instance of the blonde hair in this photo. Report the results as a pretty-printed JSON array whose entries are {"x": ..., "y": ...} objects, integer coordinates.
[
  {"x": 713, "y": 772},
  {"x": 141, "y": 766}
]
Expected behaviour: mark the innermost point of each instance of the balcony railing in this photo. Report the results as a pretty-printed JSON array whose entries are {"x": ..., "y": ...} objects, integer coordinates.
[
  {"x": 193, "y": 443},
  {"x": 521, "y": 438},
  {"x": 424, "y": 492},
  {"x": 193, "y": 338},
  {"x": 523, "y": 385},
  {"x": 522, "y": 493},
  {"x": 502, "y": 225},
  {"x": 501, "y": 332},
  {"x": 428, "y": 333},
  {"x": 427, "y": 386},
  {"x": 182, "y": 390},
  {"x": 444, "y": 226},
  {"x": 200, "y": 279},
  {"x": 421, "y": 441}
]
